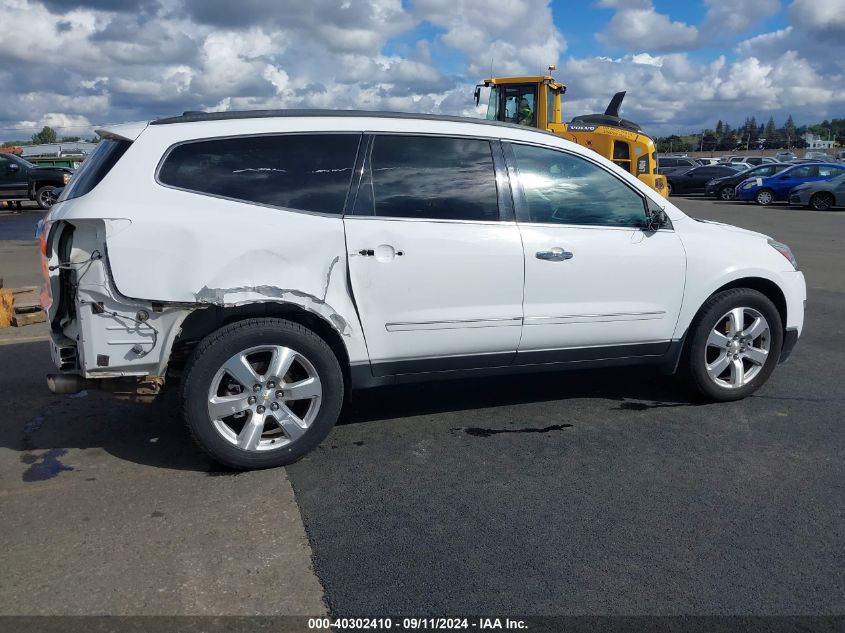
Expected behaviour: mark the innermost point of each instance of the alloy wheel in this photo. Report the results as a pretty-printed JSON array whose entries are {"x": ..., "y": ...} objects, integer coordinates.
[
  {"x": 737, "y": 348},
  {"x": 45, "y": 198},
  {"x": 764, "y": 197},
  {"x": 822, "y": 201},
  {"x": 264, "y": 398},
  {"x": 726, "y": 193}
]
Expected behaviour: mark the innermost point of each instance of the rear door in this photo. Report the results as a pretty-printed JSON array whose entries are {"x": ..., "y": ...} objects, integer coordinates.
[
  {"x": 781, "y": 185},
  {"x": 435, "y": 256}
]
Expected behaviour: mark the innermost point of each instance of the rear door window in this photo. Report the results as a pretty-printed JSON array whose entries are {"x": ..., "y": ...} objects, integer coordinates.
[
  {"x": 308, "y": 172},
  {"x": 430, "y": 177}
]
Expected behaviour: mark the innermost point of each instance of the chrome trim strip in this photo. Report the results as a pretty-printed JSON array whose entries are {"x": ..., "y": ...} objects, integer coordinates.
[
  {"x": 452, "y": 325},
  {"x": 595, "y": 318}
]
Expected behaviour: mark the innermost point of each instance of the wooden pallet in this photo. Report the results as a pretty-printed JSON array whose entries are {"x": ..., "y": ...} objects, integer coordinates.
[{"x": 20, "y": 307}]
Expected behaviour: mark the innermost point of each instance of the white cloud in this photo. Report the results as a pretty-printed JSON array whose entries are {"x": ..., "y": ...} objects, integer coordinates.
[
  {"x": 517, "y": 36},
  {"x": 825, "y": 16},
  {"x": 636, "y": 25},
  {"x": 737, "y": 17}
]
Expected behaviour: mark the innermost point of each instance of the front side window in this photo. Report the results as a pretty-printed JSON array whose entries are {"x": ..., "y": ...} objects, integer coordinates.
[
  {"x": 309, "y": 172},
  {"x": 764, "y": 170},
  {"x": 561, "y": 188},
  {"x": 431, "y": 177}
]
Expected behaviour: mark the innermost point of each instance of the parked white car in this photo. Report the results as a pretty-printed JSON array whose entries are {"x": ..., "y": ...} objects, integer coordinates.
[{"x": 273, "y": 261}]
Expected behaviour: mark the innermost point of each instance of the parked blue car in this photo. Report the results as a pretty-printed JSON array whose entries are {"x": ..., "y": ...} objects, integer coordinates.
[{"x": 776, "y": 188}]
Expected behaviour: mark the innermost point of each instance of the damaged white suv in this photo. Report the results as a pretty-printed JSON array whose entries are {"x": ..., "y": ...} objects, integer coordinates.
[{"x": 272, "y": 261}]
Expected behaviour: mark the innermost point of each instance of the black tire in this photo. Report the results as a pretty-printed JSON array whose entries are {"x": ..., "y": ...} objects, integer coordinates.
[
  {"x": 668, "y": 188},
  {"x": 693, "y": 363},
  {"x": 43, "y": 197},
  {"x": 822, "y": 201},
  {"x": 726, "y": 193},
  {"x": 216, "y": 348},
  {"x": 764, "y": 197}
]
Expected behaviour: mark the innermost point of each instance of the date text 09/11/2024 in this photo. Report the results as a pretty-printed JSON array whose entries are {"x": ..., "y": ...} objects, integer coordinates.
[{"x": 413, "y": 624}]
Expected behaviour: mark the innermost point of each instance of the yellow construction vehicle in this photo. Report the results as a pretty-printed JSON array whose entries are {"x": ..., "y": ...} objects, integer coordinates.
[{"x": 536, "y": 101}]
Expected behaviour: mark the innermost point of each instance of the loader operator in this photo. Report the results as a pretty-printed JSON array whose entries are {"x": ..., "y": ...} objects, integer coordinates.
[{"x": 524, "y": 115}]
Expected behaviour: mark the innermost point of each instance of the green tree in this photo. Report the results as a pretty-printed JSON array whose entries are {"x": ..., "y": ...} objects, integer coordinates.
[
  {"x": 46, "y": 135},
  {"x": 771, "y": 131},
  {"x": 70, "y": 139},
  {"x": 720, "y": 128}
]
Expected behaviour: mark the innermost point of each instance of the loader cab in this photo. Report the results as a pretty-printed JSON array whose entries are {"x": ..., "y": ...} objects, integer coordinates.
[{"x": 512, "y": 97}]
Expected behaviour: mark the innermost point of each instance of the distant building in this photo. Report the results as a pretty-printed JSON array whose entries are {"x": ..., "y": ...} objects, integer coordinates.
[{"x": 814, "y": 141}]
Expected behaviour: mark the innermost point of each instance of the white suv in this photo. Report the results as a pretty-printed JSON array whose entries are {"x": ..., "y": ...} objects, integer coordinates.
[{"x": 276, "y": 260}]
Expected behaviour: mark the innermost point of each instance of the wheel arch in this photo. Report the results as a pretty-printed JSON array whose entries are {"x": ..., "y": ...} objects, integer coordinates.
[
  {"x": 200, "y": 323},
  {"x": 766, "y": 287},
  {"x": 36, "y": 185}
]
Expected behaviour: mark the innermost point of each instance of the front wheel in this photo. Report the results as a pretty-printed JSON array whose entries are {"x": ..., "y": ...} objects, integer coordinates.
[
  {"x": 822, "y": 201},
  {"x": 261, "y": 393},
  {"x": 734, "y": 344},
  {"x": 668, "y": 188},
  {"x": 44, "y": 197},
  {"x": 765, "y": 197},
  {"x": 726, "y": 193}
]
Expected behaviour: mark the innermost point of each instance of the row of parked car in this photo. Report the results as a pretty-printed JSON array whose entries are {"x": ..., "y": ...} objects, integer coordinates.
[{"x": 806, "y": 182}]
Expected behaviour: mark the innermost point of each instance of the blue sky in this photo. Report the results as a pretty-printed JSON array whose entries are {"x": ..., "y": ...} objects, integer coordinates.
[{"x": 684, "y": 64}]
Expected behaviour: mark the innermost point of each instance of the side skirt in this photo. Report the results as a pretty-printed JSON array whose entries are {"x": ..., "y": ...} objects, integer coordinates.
[{"x": 664, "y": 354}]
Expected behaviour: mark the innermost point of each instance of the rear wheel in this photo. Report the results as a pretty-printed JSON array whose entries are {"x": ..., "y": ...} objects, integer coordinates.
[
  {"x": 261, "y": 393},
  {"x": 726, "y": 193},
  {"x": 44, "y": 197},
  {"x": 734, "y": 345},
  {"x": 668, "y": 188},
  {"x": 765, "y": 197},
  {"x": 822, "y": 201}
]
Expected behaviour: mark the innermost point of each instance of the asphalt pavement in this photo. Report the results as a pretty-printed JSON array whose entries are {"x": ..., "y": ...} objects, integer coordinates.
[{"x": 582, "y": 492}]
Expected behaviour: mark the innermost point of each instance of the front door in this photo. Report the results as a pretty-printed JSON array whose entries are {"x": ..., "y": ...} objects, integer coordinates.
[
  {"x": 436, "y": 272},
  {"x": 597, "y": 285},
  {"x": 13, "y": 178}
]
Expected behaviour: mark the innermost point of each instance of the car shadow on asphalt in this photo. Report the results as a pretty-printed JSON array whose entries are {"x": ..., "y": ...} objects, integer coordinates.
[
  {"x": 154, "y": 434},
  {"x": 629, "y": 388}
]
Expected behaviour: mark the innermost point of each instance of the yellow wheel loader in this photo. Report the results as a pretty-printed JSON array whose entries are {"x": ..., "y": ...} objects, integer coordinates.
[{"x": 536, "y": 101}]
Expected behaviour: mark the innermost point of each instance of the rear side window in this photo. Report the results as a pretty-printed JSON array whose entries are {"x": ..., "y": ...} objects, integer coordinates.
[
  {"x": 310, "y": 172},
  {"x": 432, "y": 178},
  {"x": 827, "y": 170},
  {"x": 95, "y": 168}
]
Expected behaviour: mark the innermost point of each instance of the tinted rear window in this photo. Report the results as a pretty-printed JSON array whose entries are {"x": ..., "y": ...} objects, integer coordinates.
[
  {"x": 310, "y": 172},
  {"x": 95, "y": 168},
  {"x": 432, "y": 177}
]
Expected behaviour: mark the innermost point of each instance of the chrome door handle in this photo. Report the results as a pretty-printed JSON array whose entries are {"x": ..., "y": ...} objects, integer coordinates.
[{"x": 556, "y": 254}]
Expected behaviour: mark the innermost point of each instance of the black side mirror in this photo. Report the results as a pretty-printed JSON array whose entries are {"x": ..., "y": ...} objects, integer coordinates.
[
  {"x": 477, "y": 94},
  {"x": 655, "y": 219}
]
